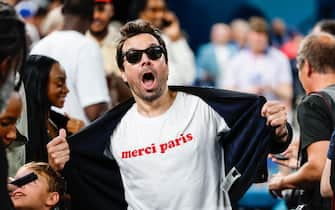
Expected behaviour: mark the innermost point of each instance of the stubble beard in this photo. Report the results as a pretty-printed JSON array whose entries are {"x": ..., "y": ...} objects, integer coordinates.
[
  {"x": 101, "y": 33},
  {"x": 155, "y": 94}
]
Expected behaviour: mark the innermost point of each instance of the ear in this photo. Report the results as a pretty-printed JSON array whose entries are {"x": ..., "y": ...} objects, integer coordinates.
[
  {"x": 52, "y": 199},
  {"x": 123, "y": 75},
  {"x": 309, "y": 69}
]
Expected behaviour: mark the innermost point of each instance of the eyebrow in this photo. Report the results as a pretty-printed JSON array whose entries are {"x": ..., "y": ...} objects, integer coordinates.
[
  {"x": 60, "y": 77},
  {"x": 8, "y": 118},
  {"x": 152, "y": 45}
]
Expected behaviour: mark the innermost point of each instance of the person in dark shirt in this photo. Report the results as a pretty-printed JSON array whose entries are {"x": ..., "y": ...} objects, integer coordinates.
[{"x": 316, "y": 66}]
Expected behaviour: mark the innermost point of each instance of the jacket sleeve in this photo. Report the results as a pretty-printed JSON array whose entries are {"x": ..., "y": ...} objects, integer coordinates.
[{"x": 93, "y": 180}]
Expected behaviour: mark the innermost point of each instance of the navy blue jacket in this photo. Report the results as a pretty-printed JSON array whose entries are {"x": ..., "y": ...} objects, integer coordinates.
[{"x": 94, "y": 181}]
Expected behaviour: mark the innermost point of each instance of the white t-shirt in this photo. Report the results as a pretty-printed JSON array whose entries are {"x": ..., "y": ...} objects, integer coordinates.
[
  {"x": 82, "y": 60},
  {"x": 172, "y": 161}
]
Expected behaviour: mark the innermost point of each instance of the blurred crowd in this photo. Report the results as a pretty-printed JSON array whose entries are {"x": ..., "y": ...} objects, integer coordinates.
[{"x": 71, "y": 78}]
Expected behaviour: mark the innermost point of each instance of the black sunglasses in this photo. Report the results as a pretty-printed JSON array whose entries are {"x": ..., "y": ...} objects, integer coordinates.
[{"x": 135, "y": 56}]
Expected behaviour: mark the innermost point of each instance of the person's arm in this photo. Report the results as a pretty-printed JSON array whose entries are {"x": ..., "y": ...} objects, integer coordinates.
[
  {"x": 182, "y": 69},
  {"x": 309, "y": 172},
  {"x": 181, "y": 62},
  {"x": 95, "y": 110},
  {"x": 91, "y": 82},
  {"x": 315, "y": 129},
  {"x": 172, "y": 30},
  {"x": 325, "y": 187},
  {"x": 73, "y": 125}
]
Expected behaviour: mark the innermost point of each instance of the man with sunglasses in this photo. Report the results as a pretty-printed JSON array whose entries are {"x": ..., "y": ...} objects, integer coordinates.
[{"x": 170, "y": 147}]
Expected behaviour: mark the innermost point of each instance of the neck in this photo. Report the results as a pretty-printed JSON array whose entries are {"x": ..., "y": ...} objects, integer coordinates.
[
  {"x": 76, "y": 23},
  {"x": 321, "y": 81},
  {"x": 99, "y": 35},
  {"x": 158, "y": 106}
]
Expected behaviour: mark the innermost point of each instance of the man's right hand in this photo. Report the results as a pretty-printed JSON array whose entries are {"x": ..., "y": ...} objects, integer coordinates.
[{"x": 58, "y": 151}]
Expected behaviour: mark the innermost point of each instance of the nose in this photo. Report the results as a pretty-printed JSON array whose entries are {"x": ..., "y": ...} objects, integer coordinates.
[
  {"x": 96, "y": 13},
  {"x": 11, "y": 134},
  {"x": 145, "y": 60},
  {"x": 66, "y": 89}
]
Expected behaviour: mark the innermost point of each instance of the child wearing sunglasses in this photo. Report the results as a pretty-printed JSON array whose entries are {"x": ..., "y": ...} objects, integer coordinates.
[{"x": 41, "y": 194}]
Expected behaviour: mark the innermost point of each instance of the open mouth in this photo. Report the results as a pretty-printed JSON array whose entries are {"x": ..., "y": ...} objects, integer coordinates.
[
  {"x": 17, "y": 194},
  {"x": 148, "y": 79}
]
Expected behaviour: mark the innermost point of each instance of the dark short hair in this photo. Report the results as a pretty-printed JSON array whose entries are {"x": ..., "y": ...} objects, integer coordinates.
[
  {"x": 327, "y": 26},
  {"x": 82, "y": 8},
  {"x": 319, "y": 50},
  {"x": 134, "y": 28}
]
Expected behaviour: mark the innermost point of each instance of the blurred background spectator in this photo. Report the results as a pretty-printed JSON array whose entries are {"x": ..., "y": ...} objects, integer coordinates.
[
  {"x": 260, "y": 68},
  {"x": 106, "y": 34},
  {"x": 213, "y": 58}
]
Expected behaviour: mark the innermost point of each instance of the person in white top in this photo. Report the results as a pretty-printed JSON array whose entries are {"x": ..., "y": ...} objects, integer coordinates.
[
  {"x": 106, "y": 37},
  {"x": 213, "y": 57},
  {"x": 260, "y": 68},
  {"x": 82, "y": 60}
]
